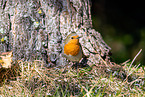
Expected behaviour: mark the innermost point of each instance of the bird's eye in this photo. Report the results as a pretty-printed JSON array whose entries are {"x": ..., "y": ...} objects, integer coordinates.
[{"x": 72, "y": 38}]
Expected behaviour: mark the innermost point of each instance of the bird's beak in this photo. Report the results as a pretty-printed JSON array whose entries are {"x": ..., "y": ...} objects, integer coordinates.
[{"x": 78, "y": 37}]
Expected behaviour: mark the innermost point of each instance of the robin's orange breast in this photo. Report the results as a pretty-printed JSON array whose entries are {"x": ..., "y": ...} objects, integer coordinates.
[{"x": 71, "y": 49}]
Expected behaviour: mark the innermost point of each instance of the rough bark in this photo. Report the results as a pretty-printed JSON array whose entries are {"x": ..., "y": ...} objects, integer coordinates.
[{"x": 35, "y": 30}]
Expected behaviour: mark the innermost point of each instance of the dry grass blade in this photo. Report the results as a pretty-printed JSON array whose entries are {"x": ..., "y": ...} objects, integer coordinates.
[
  {"x": 135, "y": 58},
  {"x": 90, "y": 91},
  {"x": 36, "y": 80}
]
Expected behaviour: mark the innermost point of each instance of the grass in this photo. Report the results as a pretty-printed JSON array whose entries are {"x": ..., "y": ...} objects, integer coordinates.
[{"x": 37, "y": 80}]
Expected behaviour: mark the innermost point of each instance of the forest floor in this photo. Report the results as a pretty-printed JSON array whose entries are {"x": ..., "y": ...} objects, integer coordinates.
[{"x": 34, "y": 79}]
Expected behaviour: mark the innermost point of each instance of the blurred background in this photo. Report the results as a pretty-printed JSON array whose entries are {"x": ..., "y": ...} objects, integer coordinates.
[{"x": 122, "y": 26}]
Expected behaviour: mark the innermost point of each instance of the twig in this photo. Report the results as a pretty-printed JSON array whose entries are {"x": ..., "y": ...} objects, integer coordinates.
[{"x": 135, "y": 58}]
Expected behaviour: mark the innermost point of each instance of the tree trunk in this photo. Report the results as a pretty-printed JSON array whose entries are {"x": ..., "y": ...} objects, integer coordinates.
[{"x": 35, "y": 30}]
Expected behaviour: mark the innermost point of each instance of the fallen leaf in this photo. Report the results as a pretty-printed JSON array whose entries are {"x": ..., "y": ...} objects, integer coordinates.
[{"x": 6, "y": 60}]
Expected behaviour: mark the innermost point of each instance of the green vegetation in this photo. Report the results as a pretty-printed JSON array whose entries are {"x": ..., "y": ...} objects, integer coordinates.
[{"x": 95, "y": 81}]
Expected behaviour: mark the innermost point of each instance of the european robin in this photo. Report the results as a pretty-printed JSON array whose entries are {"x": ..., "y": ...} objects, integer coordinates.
[{"x": 72, "y": 48}]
